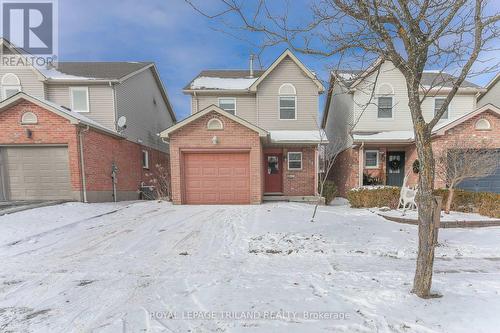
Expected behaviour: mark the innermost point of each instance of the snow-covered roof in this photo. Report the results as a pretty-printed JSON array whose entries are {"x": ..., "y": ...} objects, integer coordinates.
[
  {"x": 297, "y": 136},
  {"x": 399, "y": 136},
  {"x": 222, "y": 83}
]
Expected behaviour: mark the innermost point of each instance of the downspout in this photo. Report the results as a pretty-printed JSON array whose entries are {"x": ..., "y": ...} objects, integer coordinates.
[
  {"x": 196, "y": 105},
  {"x": 316, "y": 176},
  {"x": 115, "y": 109},
  {"x": 361, "y": 163},
  {"x": 82, "y": 163}
]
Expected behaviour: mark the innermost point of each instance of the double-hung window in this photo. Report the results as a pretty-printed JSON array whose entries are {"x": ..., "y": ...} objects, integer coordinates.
[
  {"x": 438, "y": 104},
  {"x": 80, "y": 99},
  {"x": 288, "y": 106},
  {"x": 294, "y": 161},
  {"x": 385, "y": 107},
  {"x": 371, "y": 159},
  {"x": 228, "y": 105}
]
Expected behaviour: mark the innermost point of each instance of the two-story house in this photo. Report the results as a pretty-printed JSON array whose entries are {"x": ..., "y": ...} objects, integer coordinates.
[
  {"x": 85, "y": 131},
  {"x": 368, "y": 110},
  {"x": 252, "y": 135}
]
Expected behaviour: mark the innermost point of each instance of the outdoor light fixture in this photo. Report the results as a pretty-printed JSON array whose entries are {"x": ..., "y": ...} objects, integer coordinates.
[
  {"x": 215, "y": 140},
  {"x": 29, "y": 133}
]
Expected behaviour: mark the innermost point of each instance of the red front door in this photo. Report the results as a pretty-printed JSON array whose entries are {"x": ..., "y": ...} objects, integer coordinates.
[{"x": 273, "y": 173}]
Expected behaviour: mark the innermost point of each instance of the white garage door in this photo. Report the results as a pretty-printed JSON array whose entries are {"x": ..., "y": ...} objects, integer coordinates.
[{"x": 37, "y": 173}]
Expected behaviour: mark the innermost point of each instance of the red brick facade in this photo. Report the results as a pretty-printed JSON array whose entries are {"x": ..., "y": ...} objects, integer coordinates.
[
  {"x": 346, "y": 176},
  {"x": 99, "y": 151},
  {"x": 195, "y": 136}
]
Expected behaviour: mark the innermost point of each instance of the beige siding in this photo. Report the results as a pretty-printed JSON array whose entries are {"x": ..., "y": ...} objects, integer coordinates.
[
  {"x": 101, "y": 101},
  {"x": 365, "y": 107},
  {"x": 31, "y": 81},
  {"x": 492, "y": 96},
  {"x": 245, "y": 105},
  {"x": 268, "y": 102},
  {"x": 136, "y": 99},
  {"x": 340, "y": 116}
]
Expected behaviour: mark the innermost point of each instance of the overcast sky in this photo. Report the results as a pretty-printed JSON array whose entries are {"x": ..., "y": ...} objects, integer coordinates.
[{"x": 168, "y": 32}]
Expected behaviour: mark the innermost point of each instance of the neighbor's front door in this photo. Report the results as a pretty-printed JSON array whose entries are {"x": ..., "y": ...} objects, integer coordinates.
[
  {"x": 273, "y": 173},
  {"x": 395, "y": 168}
]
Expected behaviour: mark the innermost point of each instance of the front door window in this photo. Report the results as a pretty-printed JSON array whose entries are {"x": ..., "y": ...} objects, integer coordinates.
[{"x": 273, "y": 167}]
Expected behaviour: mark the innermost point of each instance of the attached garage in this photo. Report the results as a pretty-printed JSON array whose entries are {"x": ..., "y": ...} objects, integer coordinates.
[
  {"x": 490, "y": 183},
  {"x": 36, "y": 173},
  {"x": 216, "y": 178}
]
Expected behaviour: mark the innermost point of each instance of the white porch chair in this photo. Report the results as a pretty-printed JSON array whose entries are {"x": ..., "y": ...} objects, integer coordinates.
[{"x": 407, "y": 196}]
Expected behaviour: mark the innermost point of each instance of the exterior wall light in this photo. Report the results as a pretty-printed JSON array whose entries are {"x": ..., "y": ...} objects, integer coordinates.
[{"x": 215, "y": 140}]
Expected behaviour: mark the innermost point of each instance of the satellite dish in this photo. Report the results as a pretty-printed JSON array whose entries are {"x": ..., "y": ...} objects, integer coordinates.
[{"x": 122, "y": 123}]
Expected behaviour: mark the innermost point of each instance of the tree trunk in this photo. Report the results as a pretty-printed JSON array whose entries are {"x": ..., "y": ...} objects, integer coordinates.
[
  {"x": 426, "y": 204},
  {"x": 449, "y": 200}
]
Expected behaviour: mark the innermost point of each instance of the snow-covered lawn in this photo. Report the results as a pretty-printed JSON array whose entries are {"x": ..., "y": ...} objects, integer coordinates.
[{"x": 151, "y": 267}]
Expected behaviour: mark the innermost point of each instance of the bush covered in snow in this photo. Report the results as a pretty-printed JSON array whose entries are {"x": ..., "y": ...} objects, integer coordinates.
[
  {"x": 484, "y": 203},
  {"x": 368, "y": 197}
]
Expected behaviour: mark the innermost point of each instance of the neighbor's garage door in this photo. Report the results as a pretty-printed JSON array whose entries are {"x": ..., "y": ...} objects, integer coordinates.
[
  {"x": 486, "y": 184},
  {"x": 38, "y": 173},
  {"x": 217, "y": 178}
]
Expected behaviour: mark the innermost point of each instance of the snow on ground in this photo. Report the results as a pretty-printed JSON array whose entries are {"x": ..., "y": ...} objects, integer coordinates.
[
  {"x": 451, "y": 217},
  {"x": 151, "y": 267}
]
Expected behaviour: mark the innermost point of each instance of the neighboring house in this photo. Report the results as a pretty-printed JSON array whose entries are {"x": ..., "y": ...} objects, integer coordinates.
[
  {"x": 370, "y": 108},
  {"x": 492, "y": 93},
  {"x": 252, "y": 135},
  {"x": 62, "y": 132}
]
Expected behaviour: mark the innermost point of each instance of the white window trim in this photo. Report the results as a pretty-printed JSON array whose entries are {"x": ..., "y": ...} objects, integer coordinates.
[
  {"x": 233, "y": 98},
  {"x": 5, "y": 88},
  {"x": 392, "y": 108},
  {"x": 71, "y": 89},
  {"x": 145, "y": 153},
  {"x": 287, "y": 85},
  {"x": 434, "y": 110},
  {"x": 279, "y": 106},
  {"x": 288, "y": 161},
  {"x": 378, "y": 159}
]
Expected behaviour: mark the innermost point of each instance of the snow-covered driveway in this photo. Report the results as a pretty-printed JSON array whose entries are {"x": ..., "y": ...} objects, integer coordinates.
[{"x": 152, "y": 267}]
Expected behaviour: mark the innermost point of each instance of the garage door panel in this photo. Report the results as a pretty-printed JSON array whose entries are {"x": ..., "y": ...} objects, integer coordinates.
[
  {"x": 487, "y": 184},
  {"x": 38, "y": 173},
  {"x": 223, "y": 176}
]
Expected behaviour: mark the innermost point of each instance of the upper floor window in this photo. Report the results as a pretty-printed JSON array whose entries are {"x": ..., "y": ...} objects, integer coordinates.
[
  {"x": 385, "y": 107},
  {"x": 385, "y": 94},
  {"x": 288, "y": 102},
  {"x": 438, "y": 103},
  {"x": 80, "y": 99},
  {"x": 228, "y": 104},
  {"x": 11, "y": 85}
]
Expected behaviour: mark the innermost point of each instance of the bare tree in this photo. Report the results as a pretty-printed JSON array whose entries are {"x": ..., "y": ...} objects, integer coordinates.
[
  {"x": 458, "y": 163},
  {"x": 412, "y": 34},
  {"x": 329, "y": 151}
]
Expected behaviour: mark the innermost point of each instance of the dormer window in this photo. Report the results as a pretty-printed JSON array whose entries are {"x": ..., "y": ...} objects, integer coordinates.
[
  {"x": 11, "y": 85},
  {"x": 288, "y": 102},
  {"x": 228, "y": 105},
  {"x": 80, "y": 99}
]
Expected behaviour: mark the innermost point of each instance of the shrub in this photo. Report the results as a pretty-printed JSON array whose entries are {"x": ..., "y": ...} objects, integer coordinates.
[
  {"x": 484, "y": 203},
  {"x": 329, "y": 191},
  {"x": 368, "y": 197},
  {"x": 371, "y": 180}
]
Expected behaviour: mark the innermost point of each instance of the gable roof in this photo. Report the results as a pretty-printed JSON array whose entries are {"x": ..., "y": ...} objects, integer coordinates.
[
  {"x": 101, "y": 70},
  {"x": 213, "y": 108},
  {"x": 292, "y": 56},
  {"x": 74, "y": 117},
  {"x": 490, "y": 85},
  {"x": 241, "y": 80},
  {"x": 440, "y": 129}
]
